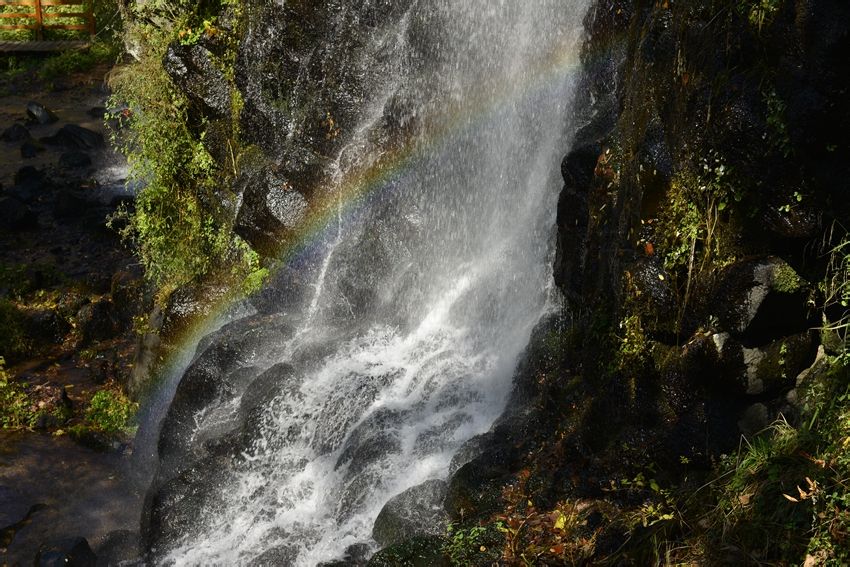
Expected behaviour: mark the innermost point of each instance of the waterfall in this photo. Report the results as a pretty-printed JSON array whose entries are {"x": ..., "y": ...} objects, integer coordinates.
[{"x": 293, "y": 427}]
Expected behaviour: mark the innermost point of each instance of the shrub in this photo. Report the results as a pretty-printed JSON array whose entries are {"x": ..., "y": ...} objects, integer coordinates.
[
  {"x": 15, "y": 405},
  {"x": 182, "y": 222},
  {"x": 110, "y": 412}
]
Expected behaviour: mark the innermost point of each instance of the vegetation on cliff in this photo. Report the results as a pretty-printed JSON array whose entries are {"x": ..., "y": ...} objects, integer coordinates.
[
  {"x": 182, "y": 221},
  {"x": 681, "y": 413}
]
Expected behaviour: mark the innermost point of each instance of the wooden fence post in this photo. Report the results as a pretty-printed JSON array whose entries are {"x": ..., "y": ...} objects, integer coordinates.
[{"x": 39, "y": 32}]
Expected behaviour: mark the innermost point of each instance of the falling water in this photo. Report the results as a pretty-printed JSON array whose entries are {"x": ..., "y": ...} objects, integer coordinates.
[{"x": 425, "y": 289}]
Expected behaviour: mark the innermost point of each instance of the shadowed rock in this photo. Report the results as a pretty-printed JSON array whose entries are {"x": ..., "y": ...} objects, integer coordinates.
[{"x": 416, "y": 511}]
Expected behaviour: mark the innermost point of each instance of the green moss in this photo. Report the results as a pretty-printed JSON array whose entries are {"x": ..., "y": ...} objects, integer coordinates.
[{"x": 786, "y": 280}]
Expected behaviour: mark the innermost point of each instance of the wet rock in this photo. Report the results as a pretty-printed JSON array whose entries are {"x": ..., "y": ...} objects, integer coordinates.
[
  {"x": 795, "y": 222},
  {"x": 775, "y": 367},
  {"x": 271, "y": 209},
  {"x": 97, "y": 112},
  {"x": 416, "y": 511},
  {"x": 39, "y": 114},
  {"x": 651, "y": 284},
  {"x": 72, "y": 552},
  {"x": 284, "y": 555},
  {"x": 16, "y": 215},
  {"x": 74, "y": 160},
  {"x": 118, "y": 546},
  {"x": 761, "y": 300},
  {"x": 30, "y": 149},
  {"x": 75, "y": 137},
  {"x": 356, "y": 555},
  {"x": 163, "y": 520},
  {"x": 476, "y": 488},
  {"x": 192, "y": 69},
  {"x": 218, "y": 375},
  {"x": 15, "y": 133},
  {"x": 420, "y": 551}
]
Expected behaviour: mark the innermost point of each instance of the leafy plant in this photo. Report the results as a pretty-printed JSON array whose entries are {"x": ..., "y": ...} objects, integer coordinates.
[
  {"x": 690, "y": 236},
  {"x": 15, "y": 405},
  {"x": 464, "y": 545},
  {"x": 836, "y": 291},
  {"x": 760, "y": 12},
  {"x": 110, "y": 411},
  {"x": 777, "y": 125}
]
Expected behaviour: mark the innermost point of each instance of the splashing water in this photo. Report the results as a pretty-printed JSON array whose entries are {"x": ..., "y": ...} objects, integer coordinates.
[{"x": 430, "y": 273}]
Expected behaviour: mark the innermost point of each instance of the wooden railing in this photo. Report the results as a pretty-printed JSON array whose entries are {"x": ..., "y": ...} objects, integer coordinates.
[{"x": 44, "y": 12}]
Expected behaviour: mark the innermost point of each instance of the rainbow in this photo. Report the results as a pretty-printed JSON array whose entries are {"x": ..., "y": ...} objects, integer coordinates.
[{"x": 361, "y": 189}]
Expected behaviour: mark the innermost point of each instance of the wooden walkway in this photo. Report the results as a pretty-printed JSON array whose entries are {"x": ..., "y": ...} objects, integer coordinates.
[{"x": 41, "y": 46}]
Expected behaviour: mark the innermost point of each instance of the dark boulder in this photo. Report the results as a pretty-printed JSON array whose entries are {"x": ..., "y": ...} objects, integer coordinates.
[
  {"x": 192, "y": 69},
  {"x": 71, "y": 552},
  {"x": 416, "y": 511},
  {"x": 95, "y": 321},
  {"x": 15, "y": 133},
  {"x": 773, "y": 369},
  {"x": 16, "y": 215},
  {"x": 75, "y": 137},
  {"x": 39, "y": 114},
  {"x": 31, "y": 178},
  {"x": 47, "y": 326},
  {"x": 761, "y": 300},
  {"x": 74, "y": 160},
  {"x": 172, "y": 506},
  {"x": 30, "y": 149}
]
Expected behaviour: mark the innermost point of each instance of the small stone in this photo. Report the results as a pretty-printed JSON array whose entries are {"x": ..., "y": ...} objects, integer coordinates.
[{"x": 40, "y": 114}]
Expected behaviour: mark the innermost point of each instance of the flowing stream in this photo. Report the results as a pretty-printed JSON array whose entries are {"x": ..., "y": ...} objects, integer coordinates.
[{"x": 432, "y": 268}]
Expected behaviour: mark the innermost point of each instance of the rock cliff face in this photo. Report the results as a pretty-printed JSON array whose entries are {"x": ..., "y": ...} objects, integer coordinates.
[{"x": 699, "y": 202}]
